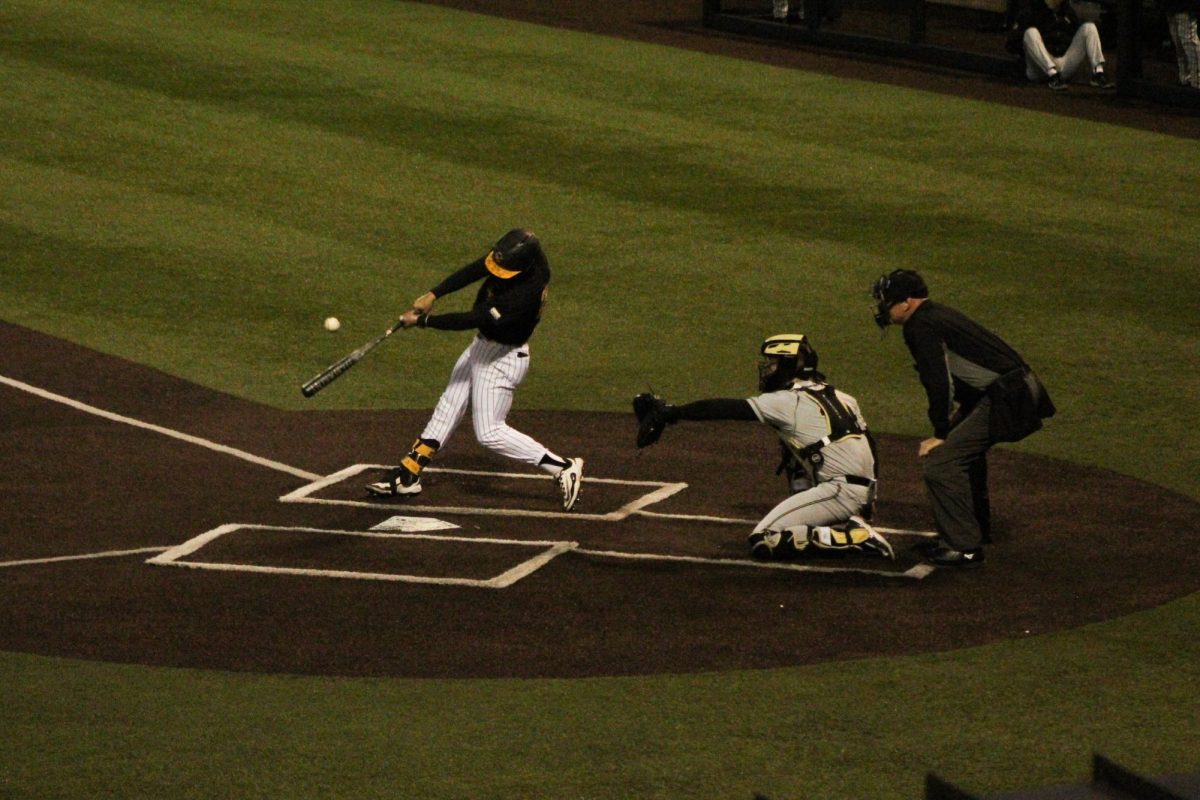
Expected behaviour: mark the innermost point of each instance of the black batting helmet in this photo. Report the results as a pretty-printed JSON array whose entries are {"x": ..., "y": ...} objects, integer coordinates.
[
  {"x": 896, "y": 287},
  {"x": 514, "y": 251}
]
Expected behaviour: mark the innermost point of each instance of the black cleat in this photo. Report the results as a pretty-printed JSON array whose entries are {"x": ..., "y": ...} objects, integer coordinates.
[
  {"x": 949, "y": 557},
  {"x": 398, "y": 482},
  {"x": 1100, "y": 80}
]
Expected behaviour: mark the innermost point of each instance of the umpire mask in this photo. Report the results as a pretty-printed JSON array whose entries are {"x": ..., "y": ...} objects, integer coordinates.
[{"x": 896, "y": 287}]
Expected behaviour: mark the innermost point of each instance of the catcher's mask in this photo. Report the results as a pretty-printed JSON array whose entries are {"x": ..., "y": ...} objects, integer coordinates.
[
  {"x": 515, "y": 251},
  {"x": 785, "y": 357},
  {"x": 896, "y": 287}
]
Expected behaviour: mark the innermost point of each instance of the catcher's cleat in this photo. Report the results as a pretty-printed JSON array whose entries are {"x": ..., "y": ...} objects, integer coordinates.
[
  {"x": 874, "y": 542},
  {"x": 569, "y": 481},
  {"x": 762, "y": 544},
  {"x": 400, "y": 481}
]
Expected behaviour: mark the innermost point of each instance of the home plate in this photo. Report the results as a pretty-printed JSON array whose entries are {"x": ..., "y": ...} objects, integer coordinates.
[{"x": 413, "y": 524}]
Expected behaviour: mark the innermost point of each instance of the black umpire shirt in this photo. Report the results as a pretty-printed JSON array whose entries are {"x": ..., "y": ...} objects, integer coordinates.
[
  {"x": 506, "y": 310},
  {"x": 956, "y": 358}
]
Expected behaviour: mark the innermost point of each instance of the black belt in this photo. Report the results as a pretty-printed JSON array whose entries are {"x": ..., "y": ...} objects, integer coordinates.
[{"x": 858, "y": 480}]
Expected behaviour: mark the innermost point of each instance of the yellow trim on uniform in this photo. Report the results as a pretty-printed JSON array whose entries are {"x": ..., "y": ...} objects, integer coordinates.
[
  {"x": 423, "y": 449},
  {"x": 496, "y": 269},
  {"x": 820, "y": 409}
]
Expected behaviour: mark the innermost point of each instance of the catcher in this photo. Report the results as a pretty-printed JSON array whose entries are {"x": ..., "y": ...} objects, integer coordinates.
[{"x": 828, "y": 453}]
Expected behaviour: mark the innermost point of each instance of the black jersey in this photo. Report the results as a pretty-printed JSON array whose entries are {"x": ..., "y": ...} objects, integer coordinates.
[
  {"x": 957, "y": 359},
  {"x": 506, "y": 310}
]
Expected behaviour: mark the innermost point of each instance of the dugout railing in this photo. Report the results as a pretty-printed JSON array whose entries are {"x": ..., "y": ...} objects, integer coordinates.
[{"x": 970, "y": 35}]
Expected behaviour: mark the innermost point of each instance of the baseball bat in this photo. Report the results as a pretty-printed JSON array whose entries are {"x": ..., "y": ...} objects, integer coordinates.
[{"x": 339, "y": 368}]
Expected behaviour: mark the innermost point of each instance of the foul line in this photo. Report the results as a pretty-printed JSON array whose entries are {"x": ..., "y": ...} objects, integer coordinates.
[
  {"x": 137, "y": 423},
  {"x": 743, "y": 521},
  {"x": 83, "y": 557},
  {"x": 918, "y": 571}
]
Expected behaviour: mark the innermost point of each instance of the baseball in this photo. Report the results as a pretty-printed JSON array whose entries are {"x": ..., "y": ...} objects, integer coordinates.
[{"x": 332, "y": 324}]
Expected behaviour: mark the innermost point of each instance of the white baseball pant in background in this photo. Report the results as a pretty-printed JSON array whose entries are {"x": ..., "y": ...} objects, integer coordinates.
[
  {"x": 1187, "y": 47},
  {"x": 1085, "y": 49}
]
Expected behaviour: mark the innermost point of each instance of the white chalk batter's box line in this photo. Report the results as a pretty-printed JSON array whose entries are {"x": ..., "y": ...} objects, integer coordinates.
[
  {"x": 175, "y": 557},
  {"x": 548, "y": 550},
  {"x": 638, "y": 506},
  {"x": 662, "y": 491}
]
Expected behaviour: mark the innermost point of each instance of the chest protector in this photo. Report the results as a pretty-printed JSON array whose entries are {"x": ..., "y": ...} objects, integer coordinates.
[{"x": 842, "y": 423}]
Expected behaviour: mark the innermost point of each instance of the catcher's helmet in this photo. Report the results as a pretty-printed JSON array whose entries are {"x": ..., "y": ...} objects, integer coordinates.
[
  {"x": 515, "y": 251},
  {"x": 786, "y": 356},
  {"x": 896, "y": 287}
]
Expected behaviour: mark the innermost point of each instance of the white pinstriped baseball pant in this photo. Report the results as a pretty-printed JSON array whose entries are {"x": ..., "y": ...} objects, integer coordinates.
[{"x": 483, "y": 380}]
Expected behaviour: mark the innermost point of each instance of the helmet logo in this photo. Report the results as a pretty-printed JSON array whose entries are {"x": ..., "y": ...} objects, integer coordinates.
[
  {"x": 786, "y": 356},
  {"x": 788, "y": 345}
]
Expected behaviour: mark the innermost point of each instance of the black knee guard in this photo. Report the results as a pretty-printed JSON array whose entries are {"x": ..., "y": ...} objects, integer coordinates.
[{"x": 777, "y": 545}]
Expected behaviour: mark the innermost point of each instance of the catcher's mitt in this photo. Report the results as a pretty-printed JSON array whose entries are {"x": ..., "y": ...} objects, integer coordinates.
[{"x": 653, "y": 415}]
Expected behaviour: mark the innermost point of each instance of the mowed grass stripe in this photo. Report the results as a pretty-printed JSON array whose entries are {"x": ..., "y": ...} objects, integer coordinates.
[
  {"x": 195, "y": 185},
  {"x": 672, "y": 188}
]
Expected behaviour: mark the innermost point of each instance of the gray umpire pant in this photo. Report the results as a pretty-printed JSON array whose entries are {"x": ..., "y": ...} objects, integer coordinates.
[{"x": 953, "y": 472}]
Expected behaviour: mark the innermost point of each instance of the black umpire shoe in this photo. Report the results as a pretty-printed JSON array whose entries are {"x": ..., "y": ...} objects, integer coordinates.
[{"x": 949, "y": 557}]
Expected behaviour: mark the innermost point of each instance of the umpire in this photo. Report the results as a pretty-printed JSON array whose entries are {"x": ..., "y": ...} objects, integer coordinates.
[{"x": 980, "y": 392}]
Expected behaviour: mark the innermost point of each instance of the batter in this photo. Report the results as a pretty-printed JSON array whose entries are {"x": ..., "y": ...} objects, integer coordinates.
[{"x": 507, "y": 309}]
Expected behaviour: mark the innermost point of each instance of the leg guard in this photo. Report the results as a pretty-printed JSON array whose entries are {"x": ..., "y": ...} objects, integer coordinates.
[
  {"x": 856, "y": 536},
  {"x": 422, "y": 452},
  {"x": 406, "y": 478},
  {"x": 778, "y": 545}
]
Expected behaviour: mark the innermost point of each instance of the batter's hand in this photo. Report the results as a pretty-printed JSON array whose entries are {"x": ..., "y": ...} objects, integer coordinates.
[
  {"x": 411, "y": 317},
  {"x": 928, "y": 446},
  {"x": 424, "y": 303}
]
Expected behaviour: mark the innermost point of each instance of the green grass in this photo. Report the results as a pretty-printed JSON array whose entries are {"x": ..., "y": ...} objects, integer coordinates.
[
  {"x": 186, "y": 184},
  {"x": 1020, "y": 714}
]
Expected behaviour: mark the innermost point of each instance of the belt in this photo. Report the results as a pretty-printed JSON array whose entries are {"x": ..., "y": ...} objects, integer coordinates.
[{"x": 858, "y": 480}]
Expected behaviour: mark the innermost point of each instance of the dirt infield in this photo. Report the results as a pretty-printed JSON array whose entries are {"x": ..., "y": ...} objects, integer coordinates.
[{"x": 107, "y": 464}]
